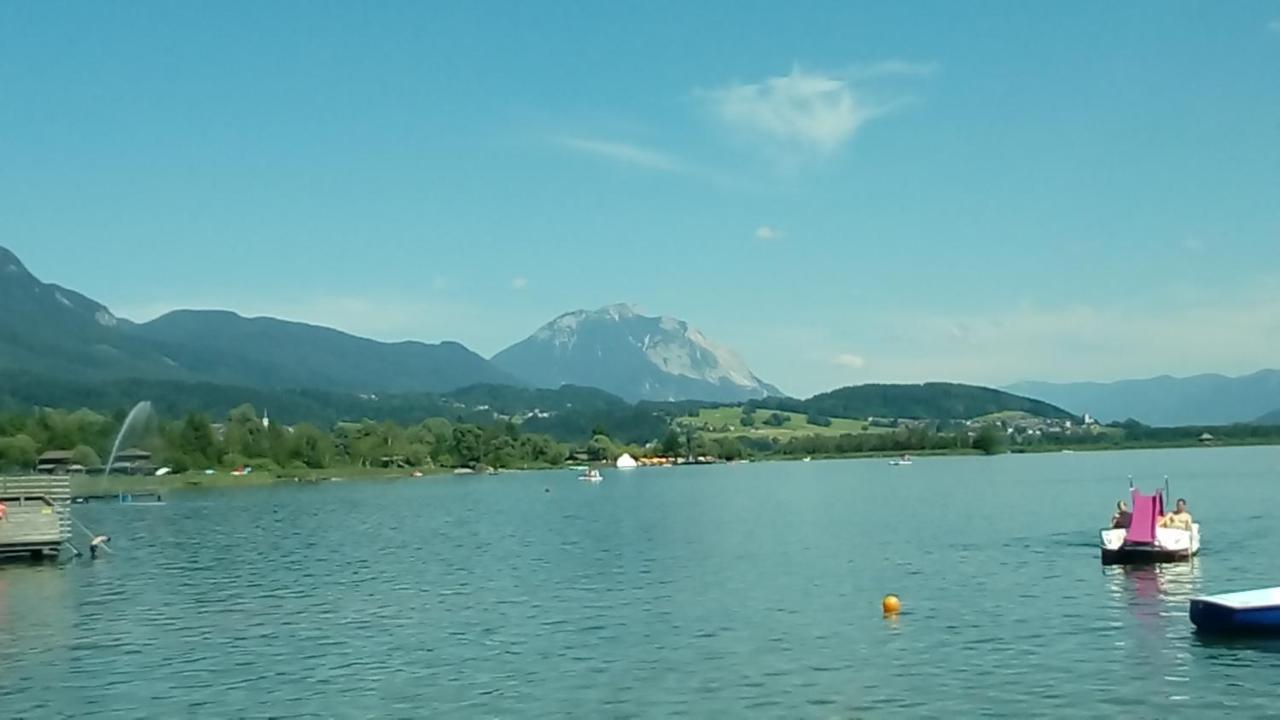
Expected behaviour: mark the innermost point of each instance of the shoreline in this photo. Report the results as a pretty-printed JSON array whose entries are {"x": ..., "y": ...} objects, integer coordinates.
[{"x": 99, "y": 486}]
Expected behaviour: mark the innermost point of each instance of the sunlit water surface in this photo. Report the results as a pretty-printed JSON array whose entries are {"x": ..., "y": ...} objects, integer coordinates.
[{"x": 726, "y": 591}]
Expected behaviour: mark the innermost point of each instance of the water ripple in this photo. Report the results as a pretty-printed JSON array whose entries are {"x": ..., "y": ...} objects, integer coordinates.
[{"x": 704, "y": 592}]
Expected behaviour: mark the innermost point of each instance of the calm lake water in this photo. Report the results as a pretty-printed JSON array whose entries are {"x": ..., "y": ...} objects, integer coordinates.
[{"x": 726, "y": 591}]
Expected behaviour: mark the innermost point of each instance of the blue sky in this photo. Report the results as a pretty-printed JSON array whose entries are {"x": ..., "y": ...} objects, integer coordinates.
[{"x": 843, "y": 192}]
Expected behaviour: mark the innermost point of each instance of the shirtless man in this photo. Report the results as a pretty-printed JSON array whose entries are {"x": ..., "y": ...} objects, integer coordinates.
[
  {"x": 1123, "y": 517},
  {"x": 1179, "y": 519}
]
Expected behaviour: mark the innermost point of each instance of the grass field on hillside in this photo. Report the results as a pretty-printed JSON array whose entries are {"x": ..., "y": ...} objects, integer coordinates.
[{"x": 731, "y": 417}]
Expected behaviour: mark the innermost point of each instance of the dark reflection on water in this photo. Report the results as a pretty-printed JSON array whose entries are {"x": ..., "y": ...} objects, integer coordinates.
[{"x": 705, "y": 592}]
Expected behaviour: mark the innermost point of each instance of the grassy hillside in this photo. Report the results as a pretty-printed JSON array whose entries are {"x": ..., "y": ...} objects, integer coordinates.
[{"x": 722, "y": 421}]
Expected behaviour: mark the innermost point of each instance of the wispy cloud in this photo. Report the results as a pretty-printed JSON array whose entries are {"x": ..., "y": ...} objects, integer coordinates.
[
  {"x": 626, "y": 154},
  {"x": 887, "y": 68},
  {"x": 802, "y": 110},
  {"x": 1274, "y": 25},
  {"x": 519, "y": 283},
  {"x": 1196, "y": 332},
  {"x": 850, "y": 361},
  {"x": 768, "y": 232}
]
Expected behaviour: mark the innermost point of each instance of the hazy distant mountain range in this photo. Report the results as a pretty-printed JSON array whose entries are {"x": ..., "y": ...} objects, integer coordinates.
[
  {"x": 58, "y": 347},
  {"x": 632, "y": 356},
  {"x": 1165, "y": 400},
  {"x": 54, "y": 330}
]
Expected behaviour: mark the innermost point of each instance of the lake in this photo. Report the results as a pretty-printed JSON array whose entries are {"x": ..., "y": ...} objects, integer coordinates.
[{"x": 716, "y": 591}]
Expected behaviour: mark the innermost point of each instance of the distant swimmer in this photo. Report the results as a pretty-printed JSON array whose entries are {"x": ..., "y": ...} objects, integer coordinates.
[{"x": 98, "y": 542}]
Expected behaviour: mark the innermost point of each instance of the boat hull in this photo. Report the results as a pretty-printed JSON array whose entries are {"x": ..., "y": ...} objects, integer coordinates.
[
  {"x": 1171, "y": 545},
  {"x": 1222, "y": 616},
  {"x": 1144, "y": 555}
]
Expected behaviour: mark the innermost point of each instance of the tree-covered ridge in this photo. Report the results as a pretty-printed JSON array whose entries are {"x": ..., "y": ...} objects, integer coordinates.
[
  {"x": 221, "y": 346},
  {"x": 569, "y": 413},
  {"x": 53, "y": 330},
  {"x": 243, "y": 438},
  {"x": 927, "y": 401}
]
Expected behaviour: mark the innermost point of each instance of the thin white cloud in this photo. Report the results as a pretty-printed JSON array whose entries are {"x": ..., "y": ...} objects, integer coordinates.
[
  {"x": 626, "y": 154},
  {"x": 849, "y": 360},
  {"x": 802, "y": 110},
  {"x": 767, "y": 233},
  {"x": 519, "y": 283},
  {"x": 1198, "y": 332},
  {"x": 1179, "y": 331},
  {"x": 1274, "y": 25},
  {"x": 886, "y": 68}
]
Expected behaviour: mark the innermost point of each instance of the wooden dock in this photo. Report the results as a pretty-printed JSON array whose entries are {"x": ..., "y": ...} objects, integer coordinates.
[{"x": 37, "y": 515}]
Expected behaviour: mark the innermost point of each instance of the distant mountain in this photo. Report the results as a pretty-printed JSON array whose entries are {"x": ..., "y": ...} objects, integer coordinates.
[
  {"x": 1165, "y": 400},
  {"x": 224, "y": 347},
  {"x": 1271, "y": 418},
  {"x": 58, "y": 332},
  {"x": 633, "y": 356},
  {"x": 933, "y": 401}
]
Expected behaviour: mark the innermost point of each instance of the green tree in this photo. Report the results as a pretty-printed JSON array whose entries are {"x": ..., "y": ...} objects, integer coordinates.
[
  {"x": 819, "y": 420},
  {"x": 989, "y": 440},
  {"x": 601, "y": 448},
  {"x": 197, "y": 442},
  {"x": 245, "y": 434},
  {"x": 17, "y": 453},
  {"x": 728, "y": 448},
  {"x": 467, "y": 445},
  {"x": 671, "y": 443},
  {"x": 85, "y": 455},
  {"x": 777, "y": 419},
  {"x": 313, "y": 447}
]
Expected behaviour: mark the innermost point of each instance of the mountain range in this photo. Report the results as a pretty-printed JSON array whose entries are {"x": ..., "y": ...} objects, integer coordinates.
[
  {"x": 56, "y": 345},
  {"x": 55, "y": 330},
  {"x": 1165, "y": 400},
  {"x": 58, "y": 331}
]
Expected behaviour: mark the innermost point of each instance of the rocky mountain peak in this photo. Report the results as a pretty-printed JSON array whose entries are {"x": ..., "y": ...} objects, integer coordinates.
[{"x": 638, "y": 357}]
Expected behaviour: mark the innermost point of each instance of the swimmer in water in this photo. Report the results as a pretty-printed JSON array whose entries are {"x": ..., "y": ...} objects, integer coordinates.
[{"x": 99, "y": 541}]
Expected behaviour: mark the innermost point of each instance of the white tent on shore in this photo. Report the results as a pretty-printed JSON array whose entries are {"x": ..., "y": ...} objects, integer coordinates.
[{"x": 626, "y": 462}]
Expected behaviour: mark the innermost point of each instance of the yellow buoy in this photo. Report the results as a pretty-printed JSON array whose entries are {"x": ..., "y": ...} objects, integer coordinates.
[{"x": 891, "y": 604}]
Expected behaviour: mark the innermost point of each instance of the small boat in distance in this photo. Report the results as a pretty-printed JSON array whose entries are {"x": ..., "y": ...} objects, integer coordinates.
[
  {"x": 591, "y": 476},
  {"x": 904, "y": 460},
  {"x": 1144, "y": 541},
  {"x": 1251, "y": 611}
]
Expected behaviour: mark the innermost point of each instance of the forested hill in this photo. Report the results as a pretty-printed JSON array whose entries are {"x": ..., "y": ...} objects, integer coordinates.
[
  {"x": 931, "y": 401},
  {"x": 52, "y": 330},
  {"x": 569, "y": 413},
  {"x": 223, "y": 347}
]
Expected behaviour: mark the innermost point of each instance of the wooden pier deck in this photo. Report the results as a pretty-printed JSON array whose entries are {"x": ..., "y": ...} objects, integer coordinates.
[{"x": 37, "y": 517}]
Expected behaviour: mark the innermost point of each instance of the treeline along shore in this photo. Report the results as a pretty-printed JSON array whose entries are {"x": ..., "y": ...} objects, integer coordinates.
[{"x": 79, "y": 441}]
